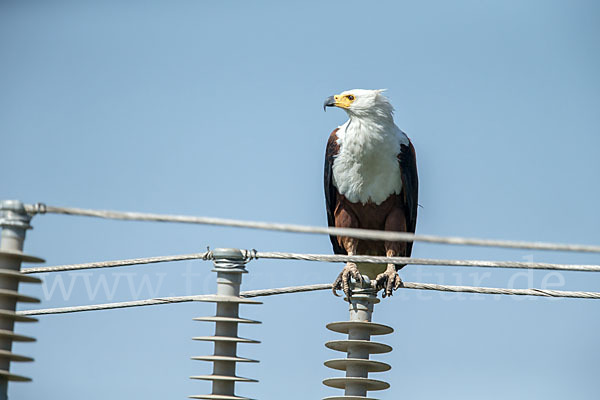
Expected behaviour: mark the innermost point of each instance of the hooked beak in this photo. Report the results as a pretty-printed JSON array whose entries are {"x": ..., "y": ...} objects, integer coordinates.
[{"x": 329, "y": 102}]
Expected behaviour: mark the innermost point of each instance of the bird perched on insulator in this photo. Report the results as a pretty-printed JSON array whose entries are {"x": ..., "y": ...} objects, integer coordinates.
[{"x": 371, "y": 182}]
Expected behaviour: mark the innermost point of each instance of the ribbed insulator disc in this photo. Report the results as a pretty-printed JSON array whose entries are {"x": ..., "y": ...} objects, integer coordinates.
[
  {"x": 370, "y": 384},
  {"x": 222, "y": 378},
  {"x": 223, "y": 358},
  {"x": 224, "y": 339},
  {"x": 18, "y": 296},
  {"x": 22, "y": 256},
  {"x": 17, "y": 275},
  {"x": 13, "y": 356},
  {"x": 348, "y": 398},
  {"x": 374, "y": 328},
  {"x": 15, "y": 336},
  {"x": 343, "y": 363},
  {"x": 218, "y": 397},
  {"x": 227, "y": 319},
  {"x": 14, "y": 316},
  {"x": 12, "y": 377},
  {"x": 344, "y": 345},
  {"x": 213, "y": 298}
]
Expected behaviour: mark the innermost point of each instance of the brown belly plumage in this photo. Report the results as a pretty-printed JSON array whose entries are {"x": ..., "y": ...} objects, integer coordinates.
[{"x": 387, "y": 216}]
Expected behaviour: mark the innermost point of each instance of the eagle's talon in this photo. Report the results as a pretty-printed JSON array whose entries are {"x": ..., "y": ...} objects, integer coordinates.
[
  {"x": 337, "y": 285},
  {"x": 389, "y": 281},
  {"x": 342, "y": 282}
]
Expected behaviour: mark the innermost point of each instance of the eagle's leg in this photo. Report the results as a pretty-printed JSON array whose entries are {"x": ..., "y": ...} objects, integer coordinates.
[
  {"x": 389, "y": 280},
  {"x": 346, "y": 218},
  {"x": 342, "y": 282}
]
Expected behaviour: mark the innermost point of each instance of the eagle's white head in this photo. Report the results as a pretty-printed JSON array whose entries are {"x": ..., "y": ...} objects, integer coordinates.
[{"x": 362, "y": 103}]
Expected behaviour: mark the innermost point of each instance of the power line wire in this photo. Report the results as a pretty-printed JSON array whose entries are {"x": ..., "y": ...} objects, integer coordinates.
[
  {"x": 309, "y": 288},
  {"x": 355, "y": 233},
  {"x": 322, "y": 258},
  {"x": 427, "y": 261},
  {"x": 115, "y": 263}
]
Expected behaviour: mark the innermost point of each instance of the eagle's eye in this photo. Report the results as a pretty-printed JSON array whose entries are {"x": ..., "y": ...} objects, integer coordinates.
[{"x": 351, "y": 98}]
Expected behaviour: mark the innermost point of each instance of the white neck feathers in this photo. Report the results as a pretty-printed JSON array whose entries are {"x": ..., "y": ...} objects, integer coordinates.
[{"x": 366, "y": 168}]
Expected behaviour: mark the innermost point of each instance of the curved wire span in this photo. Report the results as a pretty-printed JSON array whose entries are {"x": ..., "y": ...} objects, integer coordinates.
[
  {"x": 253, "y": 254},
  {"x": 310, "y": 288},
  {"x": 355, "y": 233}
]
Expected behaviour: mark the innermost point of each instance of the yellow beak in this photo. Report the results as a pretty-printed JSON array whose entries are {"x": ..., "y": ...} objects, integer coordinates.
[{"x": 337, "y": 101}]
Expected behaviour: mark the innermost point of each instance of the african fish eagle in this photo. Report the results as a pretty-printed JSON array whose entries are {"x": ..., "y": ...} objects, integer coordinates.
[{"x": 371, "y": 182}]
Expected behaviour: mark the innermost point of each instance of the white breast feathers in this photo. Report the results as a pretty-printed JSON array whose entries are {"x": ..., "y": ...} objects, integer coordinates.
[{"x": 366, "y": 167}]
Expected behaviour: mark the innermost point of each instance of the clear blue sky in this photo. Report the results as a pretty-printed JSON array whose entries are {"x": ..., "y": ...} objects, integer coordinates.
[{"x": 214, "y": 108}]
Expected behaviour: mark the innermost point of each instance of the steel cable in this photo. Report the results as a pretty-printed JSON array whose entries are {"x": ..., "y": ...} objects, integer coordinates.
[
  {"x": 355, "y": 233},
  {"x": 310, "y": 288}
]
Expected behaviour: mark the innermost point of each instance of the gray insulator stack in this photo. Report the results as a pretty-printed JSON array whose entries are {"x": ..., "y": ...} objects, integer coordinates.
[
  {"x": 358, "y": 347},
  {"x": 14, "y": 222},
  {"x": 229, "y": 266}
]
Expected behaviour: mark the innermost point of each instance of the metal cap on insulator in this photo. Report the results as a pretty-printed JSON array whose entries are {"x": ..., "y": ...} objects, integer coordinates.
[
  {"x": 229, "y": 259},
  {"x": 13, "y": 214}
]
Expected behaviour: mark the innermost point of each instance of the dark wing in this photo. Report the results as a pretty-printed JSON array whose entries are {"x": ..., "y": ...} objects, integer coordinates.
[
  {"x": 410, "y": 187},
  {"x": 330, "y": 190}
]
